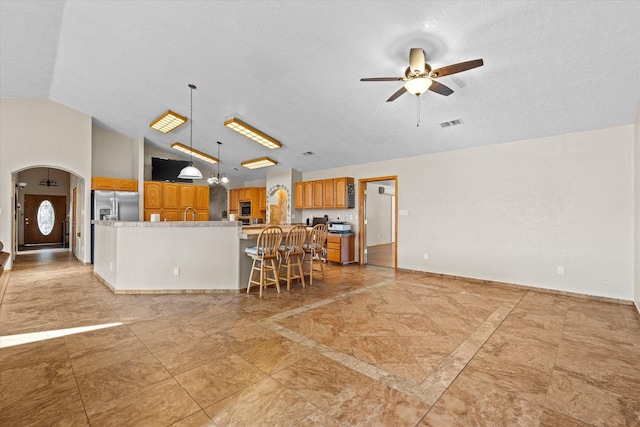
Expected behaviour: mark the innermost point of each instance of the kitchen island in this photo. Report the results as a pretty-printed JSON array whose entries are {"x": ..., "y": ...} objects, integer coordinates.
[{"x": 135, "y": 257}]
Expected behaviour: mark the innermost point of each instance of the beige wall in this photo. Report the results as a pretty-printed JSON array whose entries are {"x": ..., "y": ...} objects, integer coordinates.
[
  {"x": 36, "y": 132},
  {"x": 637, "y": 211},
  {"x": 113, "y": 155},
  {"x": 515, "y": 212}
]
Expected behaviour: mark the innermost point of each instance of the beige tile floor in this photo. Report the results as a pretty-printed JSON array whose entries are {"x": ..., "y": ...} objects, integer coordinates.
[{"x": 364, "y": 346}]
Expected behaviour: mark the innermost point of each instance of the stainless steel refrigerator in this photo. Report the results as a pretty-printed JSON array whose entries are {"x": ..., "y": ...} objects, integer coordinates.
[{"x": 113, "y": 205}]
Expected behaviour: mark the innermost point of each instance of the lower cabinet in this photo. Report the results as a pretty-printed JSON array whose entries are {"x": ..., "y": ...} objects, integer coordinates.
[{"x": 340, "y": 248}]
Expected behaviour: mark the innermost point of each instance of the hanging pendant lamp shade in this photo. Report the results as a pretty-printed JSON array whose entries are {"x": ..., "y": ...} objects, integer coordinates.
[{"x": 190, "y": 172}]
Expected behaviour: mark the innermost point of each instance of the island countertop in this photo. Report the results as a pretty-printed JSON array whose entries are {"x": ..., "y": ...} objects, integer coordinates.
[
  {"x": 114, "y": 223},
  {"x": 176, "y": 256}
]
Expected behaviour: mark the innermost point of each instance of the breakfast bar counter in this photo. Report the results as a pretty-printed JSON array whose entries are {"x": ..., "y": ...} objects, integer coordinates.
[{"x": 166, "y": 257}]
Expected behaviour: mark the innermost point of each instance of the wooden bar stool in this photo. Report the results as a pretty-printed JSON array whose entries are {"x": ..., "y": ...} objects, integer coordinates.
[
  {"x": 265, "y": 255},
  {"x": 315, "y": 249},
  {"x": 292, "y": 254}
]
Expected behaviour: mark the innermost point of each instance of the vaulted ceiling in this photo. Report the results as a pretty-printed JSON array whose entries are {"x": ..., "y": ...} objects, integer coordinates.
[{"x": 292, "y": 69}]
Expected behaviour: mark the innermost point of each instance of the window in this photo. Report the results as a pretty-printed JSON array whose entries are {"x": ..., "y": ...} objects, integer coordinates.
[{"x": 46, "y": 217}]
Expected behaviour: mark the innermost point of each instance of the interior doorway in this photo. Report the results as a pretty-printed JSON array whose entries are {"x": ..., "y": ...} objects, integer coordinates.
[
  {"x": 44, "y": 220},
  {"x": 378, "y": 206},
  {"x": 42, "y": 209}
]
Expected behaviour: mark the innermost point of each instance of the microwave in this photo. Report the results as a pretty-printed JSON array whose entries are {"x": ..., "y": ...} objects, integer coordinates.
[{"x": 245, "y": 209}]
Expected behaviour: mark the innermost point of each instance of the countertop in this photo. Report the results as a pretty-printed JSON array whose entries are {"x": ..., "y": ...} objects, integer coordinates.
[{"x": 112, "y": 223}]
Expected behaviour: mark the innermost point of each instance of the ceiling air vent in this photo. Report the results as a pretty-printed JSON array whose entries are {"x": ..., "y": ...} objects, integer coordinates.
[{"x": 451, "y": 123}]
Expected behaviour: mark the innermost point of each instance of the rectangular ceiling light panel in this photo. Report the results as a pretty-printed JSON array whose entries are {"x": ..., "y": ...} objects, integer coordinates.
[
  {"x": 252, "y": 133},
  {"x": 195, "y": 153},
  {"x": 168, "y": 122},
  {"x": 262, "y": 162}
]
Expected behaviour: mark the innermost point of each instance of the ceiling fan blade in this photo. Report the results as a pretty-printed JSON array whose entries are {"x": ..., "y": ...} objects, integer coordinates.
[
  {"x": 416, "y": 60},
  {"x": 456, "y": 68},
  {"x": 397, "y": 94},
  {"x": 440, "y": 88},
  {"x": 382, "y": 79}
]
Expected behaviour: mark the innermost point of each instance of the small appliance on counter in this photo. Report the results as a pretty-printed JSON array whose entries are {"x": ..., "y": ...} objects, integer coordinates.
[{"x": 339, "y": 227}]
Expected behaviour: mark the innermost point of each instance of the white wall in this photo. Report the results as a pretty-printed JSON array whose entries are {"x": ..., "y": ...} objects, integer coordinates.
[
  {"x": 379, "y": 216},
  {"x": 113, "y": 155},
  {"x": 515, "y": 212},
  {"x": 36, "y": 132},
  {"x": 637, "y": 210}
]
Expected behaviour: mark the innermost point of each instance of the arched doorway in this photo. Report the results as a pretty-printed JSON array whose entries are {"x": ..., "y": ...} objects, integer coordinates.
[{"x": 43, "y": 209}]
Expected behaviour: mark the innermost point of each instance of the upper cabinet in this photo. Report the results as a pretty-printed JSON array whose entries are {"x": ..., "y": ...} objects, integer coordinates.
[
  {"x": 202, "y": 197},
  {"x": 153, "y": 195},
  {"x": 170, "y": 199},
  {"x": 171, "y": 195},
  {"x": 234, "y": 198},
  {"x": 114, "y": 184},
  {"x": 262, "y": 193},
  {"x": 344, "y": 193},
  {"x": 331, "y": 193},
  {"x": 298, "y": 195}
]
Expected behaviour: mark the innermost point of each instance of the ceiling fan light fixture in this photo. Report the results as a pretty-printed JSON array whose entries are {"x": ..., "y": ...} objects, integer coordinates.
[
  {"x": 252, "y": 133},
  {"x": 168, "y": 122},
  {"x": 418, "y": 85}
]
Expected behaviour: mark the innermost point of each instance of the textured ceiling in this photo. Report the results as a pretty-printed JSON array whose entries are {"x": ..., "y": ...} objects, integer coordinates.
[{"x": 292, "y": 69}]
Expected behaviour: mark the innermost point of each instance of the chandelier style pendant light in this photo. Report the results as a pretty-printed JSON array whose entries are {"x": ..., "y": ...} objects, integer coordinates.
[
  {"x": 190, "y": 172},
  {"x": 218, "y": 179},
  {"x": 48, "y": 182}
]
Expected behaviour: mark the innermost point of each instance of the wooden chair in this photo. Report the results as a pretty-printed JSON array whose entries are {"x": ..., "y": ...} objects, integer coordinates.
[
  {"x": 292, "y": 254},
  {"x": 265, "y": 256},
  {"x": 315, "y": 249}
]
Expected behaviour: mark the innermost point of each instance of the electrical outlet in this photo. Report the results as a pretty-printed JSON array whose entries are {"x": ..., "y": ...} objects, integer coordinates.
[
  {"x": 176, "y": 271},
  {"x": 560, "y": 271},
  {"x": 426, "y": 256}
]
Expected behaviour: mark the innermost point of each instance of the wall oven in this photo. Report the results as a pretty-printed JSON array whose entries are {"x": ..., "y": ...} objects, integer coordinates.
[{"x": 245, "y": 209}]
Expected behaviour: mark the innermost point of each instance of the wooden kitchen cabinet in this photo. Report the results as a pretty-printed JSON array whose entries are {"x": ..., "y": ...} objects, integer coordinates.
[
  {"x": 153, "y": 195},
  {"x": 101, "y": 183},
  {"x": 262, "y": 194},
  {"x": 246, "y": 194},
  {"x": 308, "y": 195},
  {"x": 187, "y": 196},
  {"x": 340, "y": 248},
  {"x": 340, "y": 191},
  {"x": 298, "y": 195},
  {"x": 329, "y": 193},
  {"x": 202, "y": 215},
  {"x": 171, "y": 215},
  {"x": 171, "y": 195},
  {"x": 202, "y": 198},
  {"x": 148, "y": 212},
  {"x": 233, "y": 201},
  {"x": 318, "y": 194},
  {"x": 113, "y": 184},
  {"x": 127, "y": 185}
]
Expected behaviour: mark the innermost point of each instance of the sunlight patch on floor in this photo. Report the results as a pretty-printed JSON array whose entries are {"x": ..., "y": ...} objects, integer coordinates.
[{"x": 19, "y": 339}]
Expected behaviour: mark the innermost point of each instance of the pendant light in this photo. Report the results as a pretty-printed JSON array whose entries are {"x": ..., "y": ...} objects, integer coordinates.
[
  {"x": 190, "y": 172},
  {"x": 48, "y": 182},
  {"x": 218, "y": 179}
]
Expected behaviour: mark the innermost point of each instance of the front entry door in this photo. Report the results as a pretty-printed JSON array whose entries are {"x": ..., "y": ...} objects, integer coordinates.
[{"x": 43, "y": 218}]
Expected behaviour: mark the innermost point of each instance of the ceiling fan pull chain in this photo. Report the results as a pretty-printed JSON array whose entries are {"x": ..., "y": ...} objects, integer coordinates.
[{"x": 418, "y": 112}]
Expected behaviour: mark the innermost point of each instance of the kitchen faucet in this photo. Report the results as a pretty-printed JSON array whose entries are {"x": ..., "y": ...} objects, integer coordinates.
[{"x": 193, "y": 214}]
